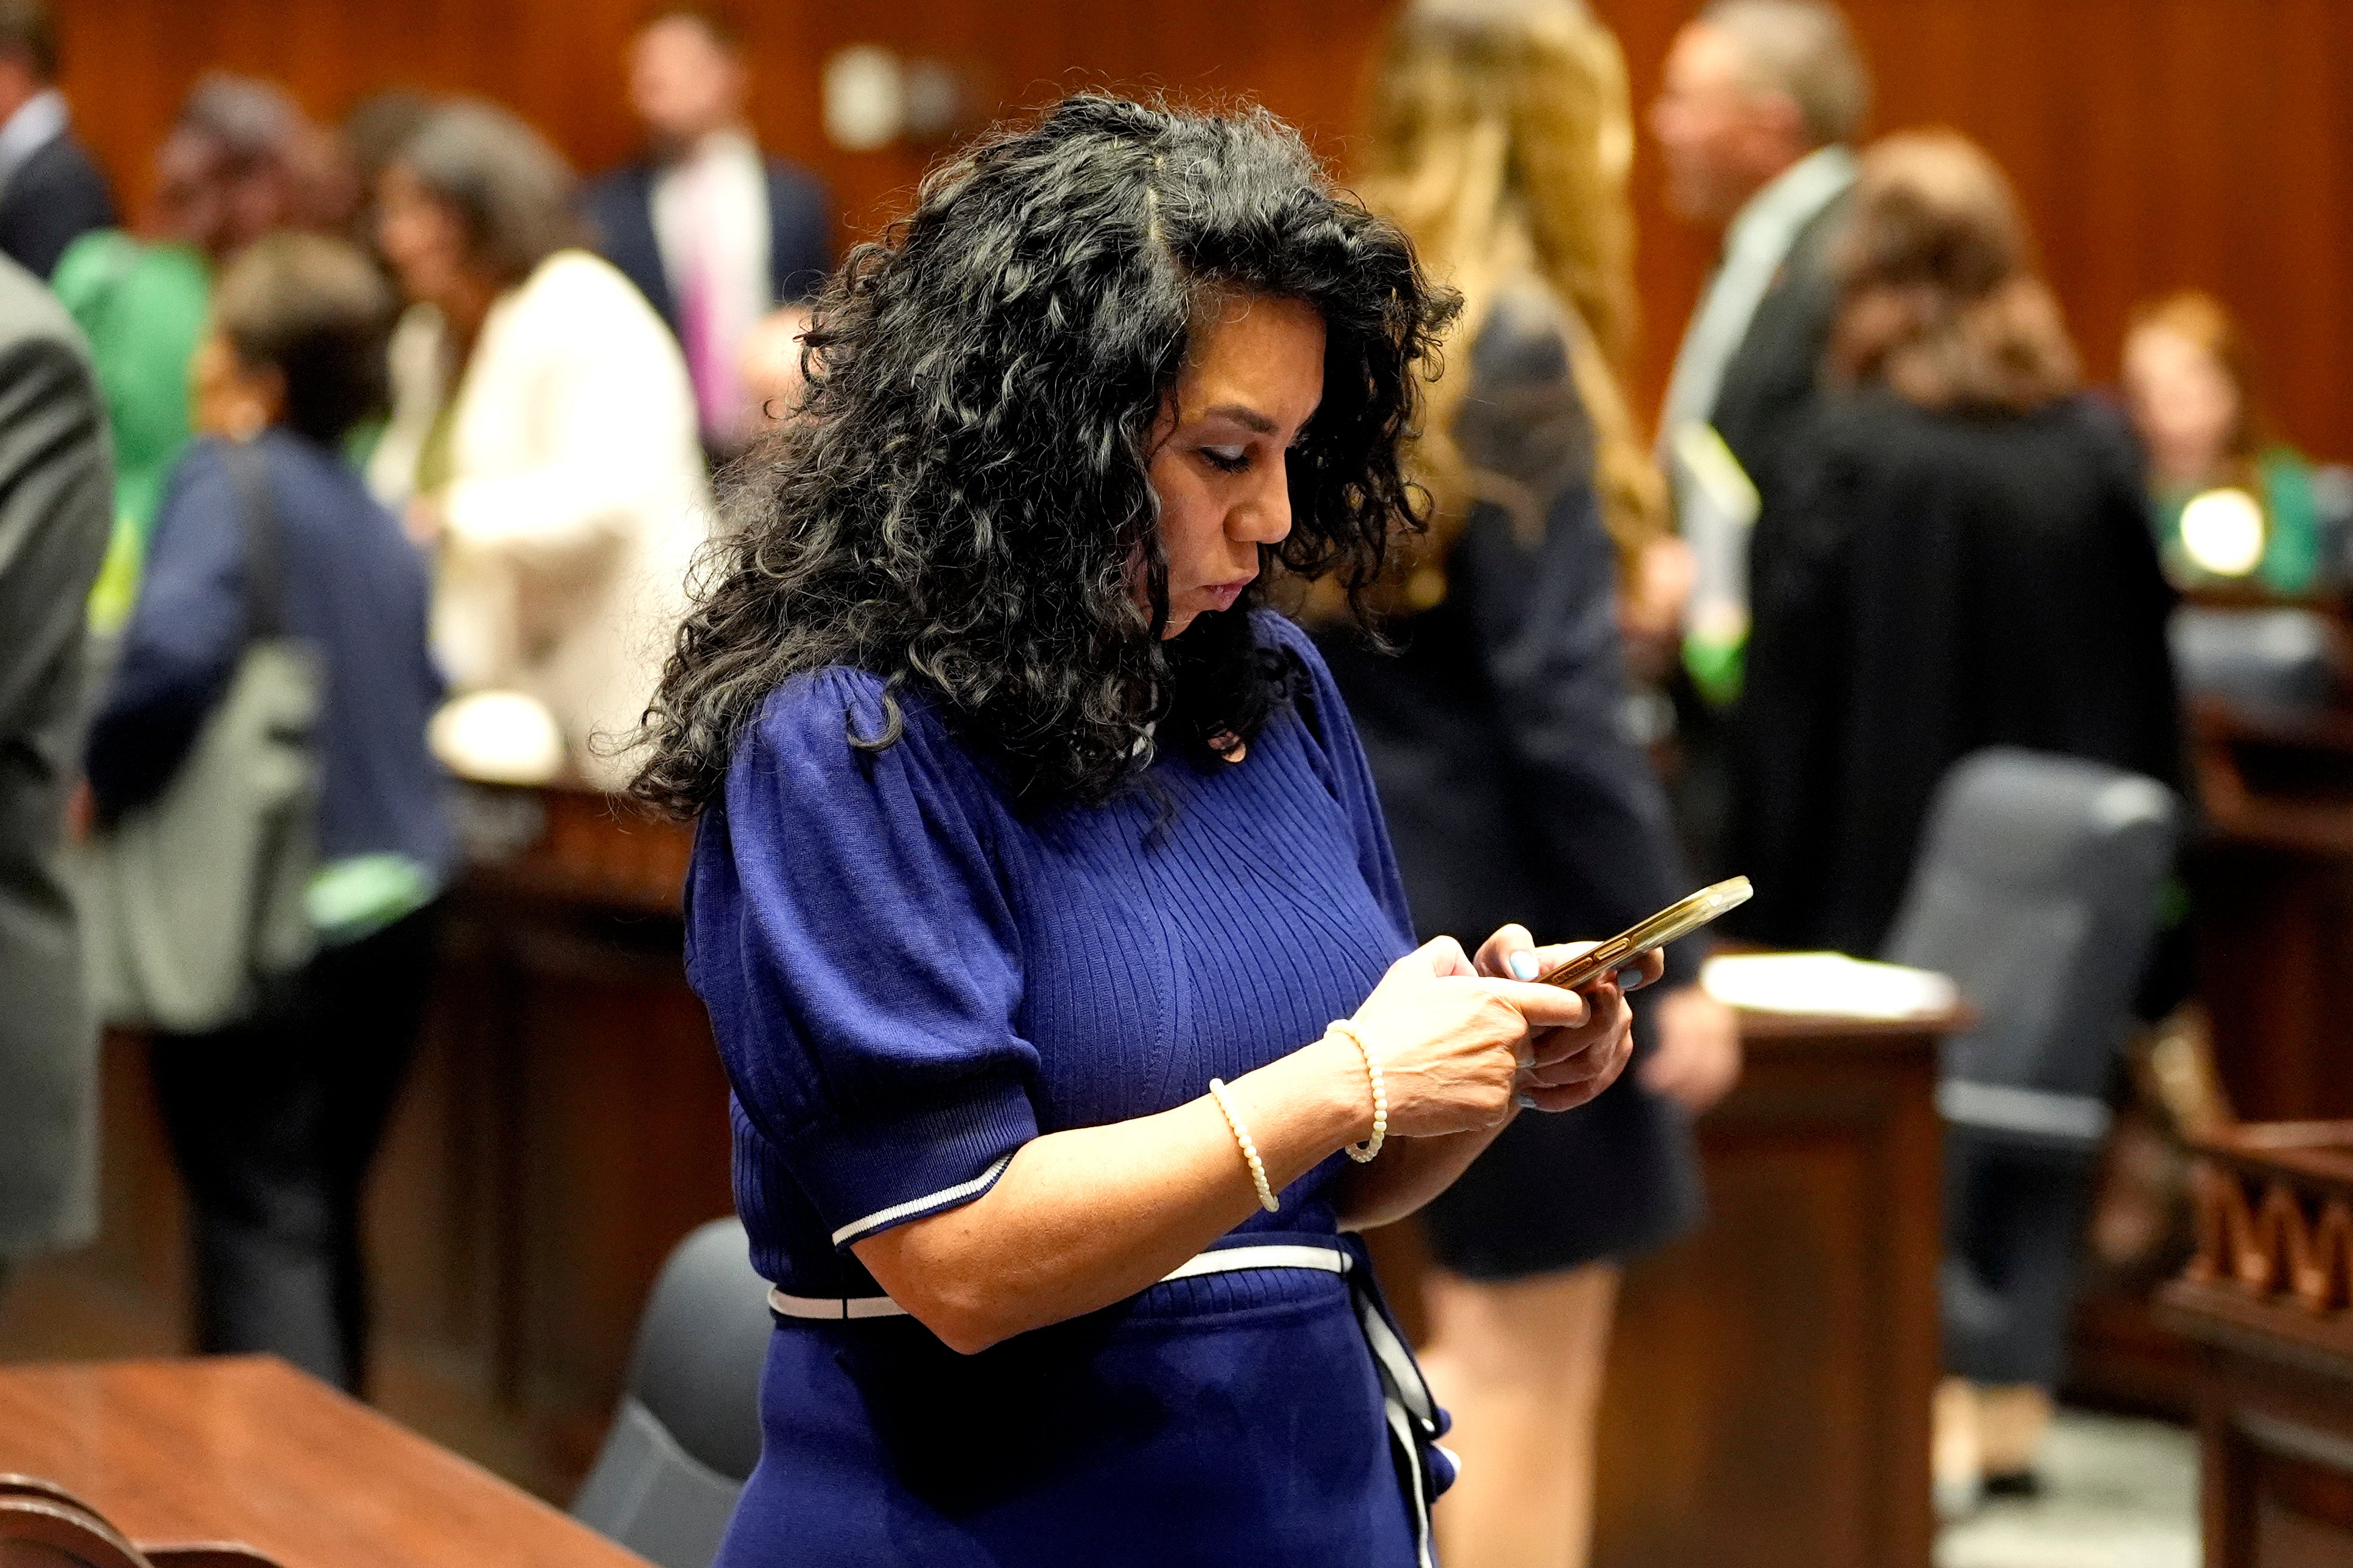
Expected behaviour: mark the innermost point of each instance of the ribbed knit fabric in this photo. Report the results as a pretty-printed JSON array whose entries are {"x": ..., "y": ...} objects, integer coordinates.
[{"x": 909, "y": 979}]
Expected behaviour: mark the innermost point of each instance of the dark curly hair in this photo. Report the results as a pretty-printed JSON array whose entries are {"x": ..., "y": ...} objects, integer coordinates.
[{"x": 956, "y": 501}]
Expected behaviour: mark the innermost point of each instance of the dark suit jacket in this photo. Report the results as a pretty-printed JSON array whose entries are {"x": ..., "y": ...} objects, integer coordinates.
[
  {"x": 1935, "y": 583},
  {"x": 56, "y": 196},
  {"x": 1495, "y": 734},
  {"x": 800, "y": 232},
  {"x": 1513, "y": 793},
  {"x": 56, "y": 508},
  {"x": 1770, "y": 378}
]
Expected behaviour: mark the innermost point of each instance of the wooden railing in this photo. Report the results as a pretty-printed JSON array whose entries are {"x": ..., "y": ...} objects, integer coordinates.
[{"x": 2274, "y": 1205}]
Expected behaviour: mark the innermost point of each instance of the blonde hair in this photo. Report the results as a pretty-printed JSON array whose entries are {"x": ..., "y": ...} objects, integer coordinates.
[
  {"x": 1939, "y": 299},
  {"x": 1502, "y": 136}
]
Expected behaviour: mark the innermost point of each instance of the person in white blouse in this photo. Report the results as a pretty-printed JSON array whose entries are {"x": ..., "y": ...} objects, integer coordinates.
[{"x": 543, "y": 435}]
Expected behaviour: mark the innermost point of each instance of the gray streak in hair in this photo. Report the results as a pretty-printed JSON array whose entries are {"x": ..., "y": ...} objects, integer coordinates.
[
  {"x": 1803, "y": 48},
  {"x": 510, "y": 188}
]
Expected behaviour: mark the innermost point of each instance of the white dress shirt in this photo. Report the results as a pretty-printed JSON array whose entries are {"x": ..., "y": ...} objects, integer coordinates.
[
  {"x": 1715, "y": 506},
  {"x": 710, "y": 222},
  {"x": 38, "y": 120}
]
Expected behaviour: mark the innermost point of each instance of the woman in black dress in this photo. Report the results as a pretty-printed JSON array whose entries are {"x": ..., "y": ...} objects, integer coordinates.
[
  {"x": 1496, "y": 732},
  {"x": 1964, "y": 562}
]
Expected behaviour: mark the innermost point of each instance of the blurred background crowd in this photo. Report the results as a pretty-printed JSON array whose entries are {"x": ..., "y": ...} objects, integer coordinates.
[{"x": 1903, "y": 443}]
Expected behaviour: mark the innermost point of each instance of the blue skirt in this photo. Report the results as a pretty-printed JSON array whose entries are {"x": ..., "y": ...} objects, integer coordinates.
[{"x": 1233, "y": 1417}]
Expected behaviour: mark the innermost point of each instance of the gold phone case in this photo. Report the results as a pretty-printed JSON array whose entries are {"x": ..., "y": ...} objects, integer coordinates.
[{"x": 1677, "y": 919}]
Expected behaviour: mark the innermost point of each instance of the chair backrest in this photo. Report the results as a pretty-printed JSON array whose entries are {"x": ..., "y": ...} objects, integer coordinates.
[
  {"x": 2275, "y": 661},
  {"x": 2037, "y": 890},
  {"x": 687, "y": 1432}
]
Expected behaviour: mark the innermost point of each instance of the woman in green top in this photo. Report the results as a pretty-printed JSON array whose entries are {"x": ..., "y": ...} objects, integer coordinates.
[
  {"x": 234, "y": 166},
  {"x": 2210, "y": 453}
]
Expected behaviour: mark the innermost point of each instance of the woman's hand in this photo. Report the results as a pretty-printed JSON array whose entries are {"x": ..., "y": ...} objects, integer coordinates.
[
  {"x": 423, "y": 522},
  {"x": 1564, "y": 1066},
  {"x": 1698, "y": 1057},
  {"x": 1452, "y": 1042}
]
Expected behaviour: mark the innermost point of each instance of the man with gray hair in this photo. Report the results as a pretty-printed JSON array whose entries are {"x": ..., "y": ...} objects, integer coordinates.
[{"x": 1760, "y": 100}]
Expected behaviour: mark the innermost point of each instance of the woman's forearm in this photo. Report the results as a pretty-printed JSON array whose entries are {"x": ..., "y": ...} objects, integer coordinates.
[
  {"x": 1090, "y": 1216},
  {"x": 1408, "y": 1174}
]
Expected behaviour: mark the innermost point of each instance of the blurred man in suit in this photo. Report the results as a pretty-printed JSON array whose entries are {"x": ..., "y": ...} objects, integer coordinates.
[
  {"x": 1760, "y": 100},
  {"x": 717, "y": 234},
  {"x": 57, "y": 506},
  {"x": 50, "y": 192}
]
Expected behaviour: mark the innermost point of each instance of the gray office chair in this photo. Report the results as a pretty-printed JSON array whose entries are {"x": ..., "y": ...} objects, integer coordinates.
[
  {"x": 2276, "y": 662},
  {"x": 2037, "y": 889},
  {"x": 688, "y": 1431}
]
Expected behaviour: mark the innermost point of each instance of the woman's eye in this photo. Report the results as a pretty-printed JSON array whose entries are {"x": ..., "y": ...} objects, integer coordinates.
[{"x": 1226, "y": 460}]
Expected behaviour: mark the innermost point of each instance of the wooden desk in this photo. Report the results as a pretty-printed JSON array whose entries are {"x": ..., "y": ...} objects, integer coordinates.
[
  {"x": 1770, "y": 1376},
  {"x": 248, "y": 1448},
  {"x": 565, "y": 1125},
  {"x": 2269, "y": 1301}
]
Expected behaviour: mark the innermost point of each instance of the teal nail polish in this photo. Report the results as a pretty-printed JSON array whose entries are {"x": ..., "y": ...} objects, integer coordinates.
[
  {"x": 1629, "y": 979},
  {"x": 1525, "y": 1101},
  {"x": 1523, "y": 965}
]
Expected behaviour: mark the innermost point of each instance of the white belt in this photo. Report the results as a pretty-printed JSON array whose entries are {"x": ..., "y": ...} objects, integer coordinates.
[{"x": 1220, "y": 1260}]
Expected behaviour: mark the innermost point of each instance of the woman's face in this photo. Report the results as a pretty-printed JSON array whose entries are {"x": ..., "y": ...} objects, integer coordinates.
[
  {"x": 2183, "y": 403},
  {"x": 421, "y": 236},
  {"x": 1219, "y": 461}
]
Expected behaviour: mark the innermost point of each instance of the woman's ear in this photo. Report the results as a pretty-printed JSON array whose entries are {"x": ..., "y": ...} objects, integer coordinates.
[
  {"x": 230, "y": 398},
  {"x": 265, "y": 390}
]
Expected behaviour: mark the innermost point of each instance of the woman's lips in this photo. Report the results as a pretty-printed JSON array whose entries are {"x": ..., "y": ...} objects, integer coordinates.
[{"x": 1223, "y": 595}]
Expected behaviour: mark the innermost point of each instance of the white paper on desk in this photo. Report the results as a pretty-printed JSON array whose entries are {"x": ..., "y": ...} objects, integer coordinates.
[{"x": 1825, "y": 984}]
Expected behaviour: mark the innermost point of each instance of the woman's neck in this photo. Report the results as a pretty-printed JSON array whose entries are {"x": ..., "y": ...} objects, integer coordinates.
[{"x": 464, "y": 307}]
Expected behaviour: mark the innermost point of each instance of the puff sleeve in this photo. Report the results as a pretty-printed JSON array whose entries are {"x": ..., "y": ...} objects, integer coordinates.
[{"x": 861, "y": 966}]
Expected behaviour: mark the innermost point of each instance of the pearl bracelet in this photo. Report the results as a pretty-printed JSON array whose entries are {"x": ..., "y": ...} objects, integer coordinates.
[
  {"x": 1266, "y": 1198},
  {"x": 1363, "y": 1153}
]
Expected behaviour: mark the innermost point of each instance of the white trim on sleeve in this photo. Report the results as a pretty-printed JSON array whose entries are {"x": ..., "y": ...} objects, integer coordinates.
[{"x": 941, "y": 1199}]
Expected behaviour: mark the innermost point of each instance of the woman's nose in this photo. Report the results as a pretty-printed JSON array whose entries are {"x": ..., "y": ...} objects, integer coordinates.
[{"x": 1265, "y": 518}]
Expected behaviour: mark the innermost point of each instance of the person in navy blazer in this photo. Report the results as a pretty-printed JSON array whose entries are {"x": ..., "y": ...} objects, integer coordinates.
[
  {"x": 51, "y": 192},
  {"x": 714, "y": 233}
]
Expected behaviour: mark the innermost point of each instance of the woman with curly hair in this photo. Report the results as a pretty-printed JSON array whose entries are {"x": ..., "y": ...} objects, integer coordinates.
[{"x": 1036, "y": 860}]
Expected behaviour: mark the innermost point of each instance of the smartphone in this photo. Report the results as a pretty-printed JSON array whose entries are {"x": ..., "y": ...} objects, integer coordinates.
[{"x": 1679, "y": 918}]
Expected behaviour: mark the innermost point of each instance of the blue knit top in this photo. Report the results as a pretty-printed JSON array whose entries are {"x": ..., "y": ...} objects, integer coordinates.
[{"x": 909, "y": 979}]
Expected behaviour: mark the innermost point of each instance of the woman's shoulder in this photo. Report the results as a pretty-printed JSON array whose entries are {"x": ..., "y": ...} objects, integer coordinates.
[
  {"x": 413, "y": 357},
  {"x": 1278, "y": 633},
  {"x": 841, "y": 720},
  {"x": 573, "y": 283},
  {"x": 333, "y": 491},
  {"x": 1524, "y": 418},
  {"x": 1527, "y": 338},
  {"x": 1311, "y": 688},
  {"x": 2052, "y": 456},
  {"x": 200, "y": 493}
]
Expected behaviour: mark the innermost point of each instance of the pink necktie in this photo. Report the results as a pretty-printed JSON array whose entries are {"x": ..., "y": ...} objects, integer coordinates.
[{"x": 718, "y": 390}]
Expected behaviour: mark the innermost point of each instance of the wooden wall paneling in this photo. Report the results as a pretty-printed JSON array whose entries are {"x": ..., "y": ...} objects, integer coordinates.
[{"x": 2155, "y": 143}]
